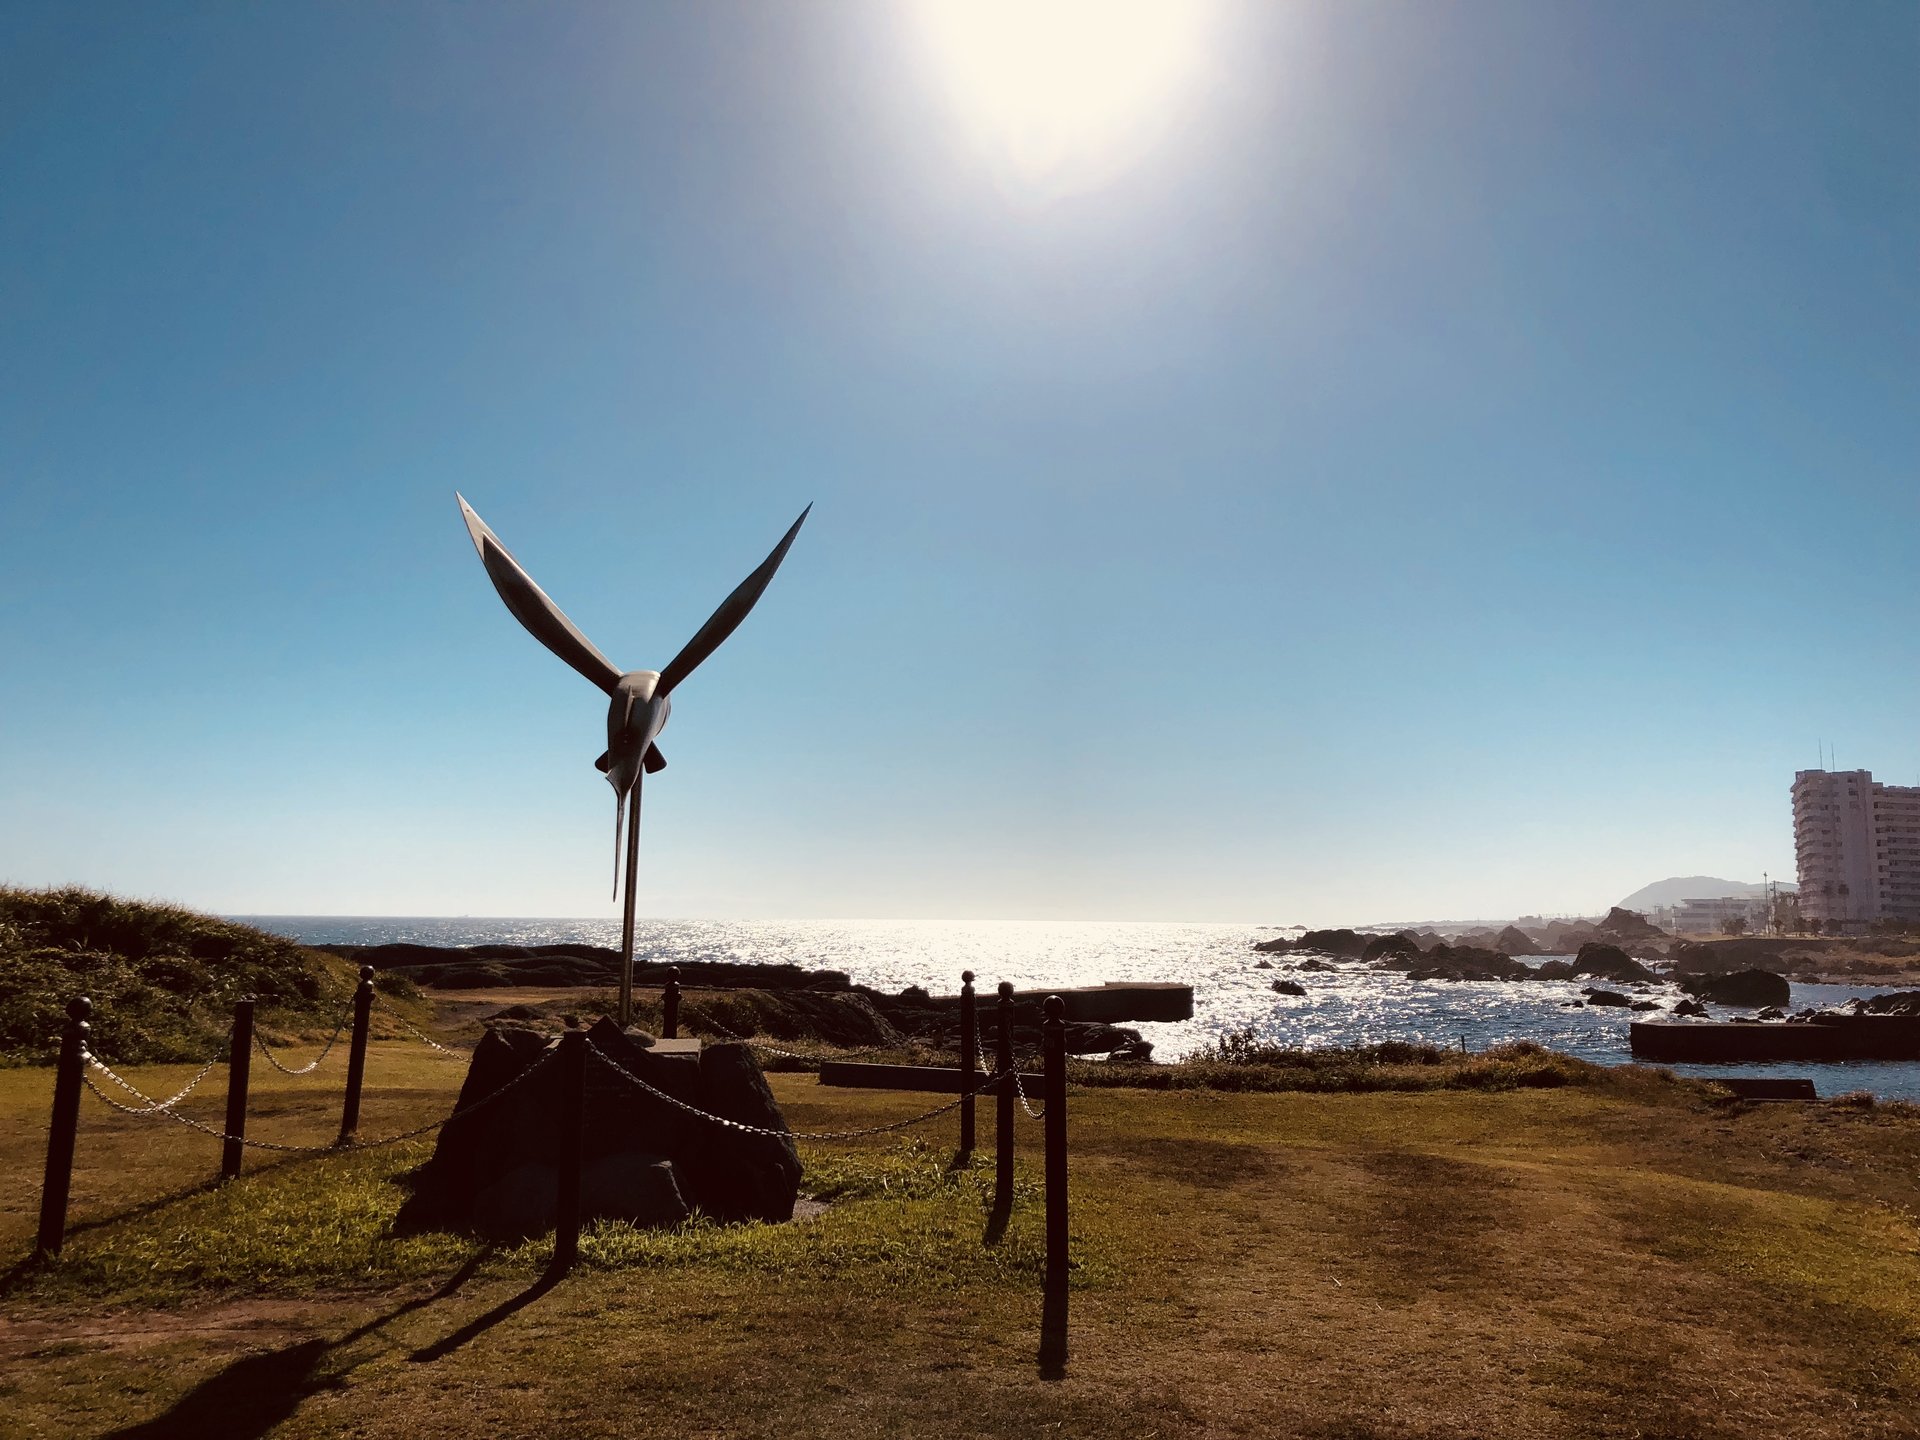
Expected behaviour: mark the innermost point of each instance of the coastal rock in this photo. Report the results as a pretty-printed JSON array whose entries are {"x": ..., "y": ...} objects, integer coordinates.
[
  {"x": 1743, "y": 988},
  {"x": 1690, "y": 1007},
  {"x": 1092, "y": 1037},
  {"x": 1899, "y": 1002},
  {"x": 1772, "y": 1012},
  {"x": 1645, "y": 1005},
  {"x": 1263, "y": 964},
  {"x": 1723, "y": 957},
  {"x": 1345, "y": 944},
  {"x": 1628, "y": 927},
  {"x": 1383, "y": 946},
  {"x": 1553, "y": 970},
  {"x": 1316, "y": 965},
  {"x": 1460, "y": 962},
  {"x": 1605, "y": 997},
  {"x": 1515, "y": 941},
  {"x": 1288, "y": 987},
  {"x": 1600, "y": 961}
]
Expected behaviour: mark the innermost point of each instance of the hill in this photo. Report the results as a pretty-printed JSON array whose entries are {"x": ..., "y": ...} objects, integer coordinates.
[
  {"x": 1687, "y": 887},
  {"x": 162, "y": 979}
]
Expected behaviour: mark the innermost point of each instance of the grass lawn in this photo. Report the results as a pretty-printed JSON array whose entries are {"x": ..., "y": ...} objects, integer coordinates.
[{"x": 1622, "y": 1259}]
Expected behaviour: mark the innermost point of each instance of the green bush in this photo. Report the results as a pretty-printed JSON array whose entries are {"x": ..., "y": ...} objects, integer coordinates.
[{"x": 162, "y": 979}]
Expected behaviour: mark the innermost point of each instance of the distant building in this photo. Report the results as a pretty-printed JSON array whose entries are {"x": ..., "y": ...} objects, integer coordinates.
[
  {"x": 1858, "y": 848},
  {"x": 1709, "y": 915}
]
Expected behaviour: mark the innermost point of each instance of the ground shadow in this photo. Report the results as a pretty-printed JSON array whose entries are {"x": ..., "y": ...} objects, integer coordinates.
[
  {"x": 1053, "y": 1332},
  {"x": 997, "y": 1219},
  {"x": 256, "y": 1392},
  {"x": 481, "y": 1324}
]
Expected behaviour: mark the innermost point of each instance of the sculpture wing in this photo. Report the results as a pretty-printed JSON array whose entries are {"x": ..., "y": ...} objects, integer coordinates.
[
  {"x": 532, "y": 608},
  {"x": 727, "y": 618}
]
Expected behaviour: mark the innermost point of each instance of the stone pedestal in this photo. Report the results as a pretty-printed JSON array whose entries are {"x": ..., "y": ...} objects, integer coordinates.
[{"x": 645, "y": 1160}]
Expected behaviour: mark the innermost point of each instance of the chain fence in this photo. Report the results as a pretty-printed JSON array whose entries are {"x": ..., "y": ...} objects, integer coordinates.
[
  {"x": 447, "y": 1052},
  {"x": 721, "y": 1120},
  {"x": 150, "y": 1108},
  {"x": 833, "y": 1052},
  {"x": 1019, "y": 1089},
  {"x": 313, "y": 1064}
]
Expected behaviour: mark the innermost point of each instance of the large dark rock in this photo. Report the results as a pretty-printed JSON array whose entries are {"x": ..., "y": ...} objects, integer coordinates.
[
  {"x": 1347, "y": 944},
  {"x": 1601, "y": 961},
  {"x": 644, "y": 1159},
  {"x": 1515, "y": 941},
  {"x": 1899, "y": 1002},
  {"x": 728, "y": 1173},
  {"x": 1382, "y": 946},
  {"x": 1606, "y": 997},
  {"x": 1628, "y": 927},
  {"x": 1289, "y": 987},
  {"x": 1744, "y": 988},
  {"x": 1091, "y": 1037},
  {"x": 1459, "y": 962}
]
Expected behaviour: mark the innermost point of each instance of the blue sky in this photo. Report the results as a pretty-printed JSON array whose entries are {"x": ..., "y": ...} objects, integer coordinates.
[{"x": 1448, "y": 461}]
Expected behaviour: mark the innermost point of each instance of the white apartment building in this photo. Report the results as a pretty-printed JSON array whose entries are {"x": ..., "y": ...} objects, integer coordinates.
[{"x": 1858, "y": 848}]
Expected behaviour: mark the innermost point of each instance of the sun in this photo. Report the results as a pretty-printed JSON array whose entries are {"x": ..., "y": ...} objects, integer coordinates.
[{"x": 1065, "y": 88}]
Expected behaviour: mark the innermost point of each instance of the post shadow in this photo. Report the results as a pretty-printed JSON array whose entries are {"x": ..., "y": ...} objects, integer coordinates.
[
  {"x": 1053, "y": 1330},
  {"x": 478, "y": 1326},
  {"x": 256, "y": 1392}
]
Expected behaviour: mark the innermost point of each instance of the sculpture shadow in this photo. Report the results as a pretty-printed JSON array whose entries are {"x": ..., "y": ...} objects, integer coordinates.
[{"x": 256, "y": 1392}]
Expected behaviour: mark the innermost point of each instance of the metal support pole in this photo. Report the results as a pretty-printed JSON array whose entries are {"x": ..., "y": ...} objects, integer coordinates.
[
  {"x": 1053, "y": 1325},
  {"x": 1003, "y": 1113},
  {"x": 573, "y": 1124},
  {"x": 969, "y": 1059},
  {"x": 58, "y": 1184},
  {"x": 670, "y": 1005},
  {"x": 239, "y": 1066},
  {"x": 357, "y": 1056},
  {"x": 626, "y": 914}
]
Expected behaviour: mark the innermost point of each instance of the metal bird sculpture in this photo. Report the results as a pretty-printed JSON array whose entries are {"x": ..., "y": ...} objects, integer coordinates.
[{"x": 638, "y": 699}]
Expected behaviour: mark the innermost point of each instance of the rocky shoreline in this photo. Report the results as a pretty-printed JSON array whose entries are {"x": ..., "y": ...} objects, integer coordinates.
[
  {"x": 749, "y": 999},
  {"x": 1741, "y": 974}
]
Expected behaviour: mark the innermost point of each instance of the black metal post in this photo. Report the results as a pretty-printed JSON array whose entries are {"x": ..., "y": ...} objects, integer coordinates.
[
  {"x": 969, "y": 1059},
  {"x": 239, "y": 1067},
  {"x": 573, "y": 1124},
  {"x": 1003, "y": 1112},
  {"x": 670, "y": 1005},
  {"x": 357, "y": 1056},
  {"x": 58, "y": 1184},
  {"x": 1053, "y": 1047}
]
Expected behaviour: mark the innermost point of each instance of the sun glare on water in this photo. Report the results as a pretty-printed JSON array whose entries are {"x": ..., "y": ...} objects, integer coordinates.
[{"x": 1068, "y": 91}]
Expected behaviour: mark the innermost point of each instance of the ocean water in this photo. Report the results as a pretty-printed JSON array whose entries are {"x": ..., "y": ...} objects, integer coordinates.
[{"x": 1350, "y": 1006}]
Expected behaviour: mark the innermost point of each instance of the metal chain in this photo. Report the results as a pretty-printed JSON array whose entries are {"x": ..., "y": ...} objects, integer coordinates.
[
  {"x": 979, "y": 1048},
  {"x": 698, "y": 1113},
  {"x": 1026, "y": 1105},
  {"x": 188, "y": 1121},
  {"x": 833, "y": 1053},
  {"x": 151, "y": 1104},
  {"x": 313, "y": 1064},
  {"x": 422, "y": 1035},
  {"x": 152, "y": 1108}
]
